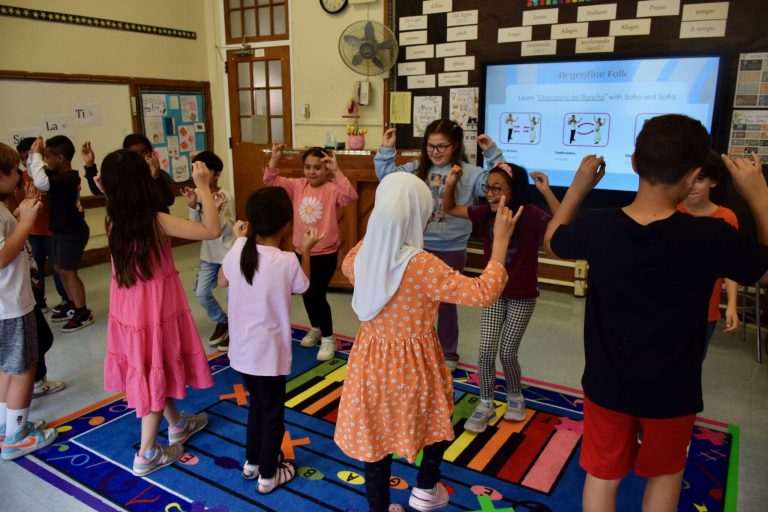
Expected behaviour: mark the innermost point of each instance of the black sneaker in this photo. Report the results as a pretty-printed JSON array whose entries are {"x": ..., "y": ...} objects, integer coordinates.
[
  {"x": 81, "y": 318},
  {"x": 63, "y": 312},
  {"x": 220, "y": 334}
]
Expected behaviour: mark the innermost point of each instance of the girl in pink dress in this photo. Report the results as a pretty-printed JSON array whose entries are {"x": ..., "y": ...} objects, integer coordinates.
[
  {"x": 153, "y": 347},
  {"x": 398, "y": 393}
]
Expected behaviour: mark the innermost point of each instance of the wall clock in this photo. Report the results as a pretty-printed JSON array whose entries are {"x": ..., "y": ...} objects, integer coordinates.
[{"x": 333, "y": 6}]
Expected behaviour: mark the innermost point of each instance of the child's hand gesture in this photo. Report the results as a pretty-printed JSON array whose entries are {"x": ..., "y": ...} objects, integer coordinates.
[
  {"x": 154, "y": 165},
  {"x": 589, "y": 174},
  {"x": 277, "y": 154},
  {"x": 390, "y": 137},
  {"x": 504, "y": 224},
  {"x": 219, "y": 200},
  {"x": 28, "y": 210},
  {"x": 330, "y": 162},
  {"x": 38, "y": 146},
  {"x": 188, "y": 193},
  {"x": 747, "y": 177},
  {"x": 240, "y": 229},
  {"x": 99, "y": 184},
  {"x": 87, "y": 153},
  {"x": 453, "y": 177},
  {"x": 484, "y": 141},
  {"x": 540, "y": 180},
  {"x": 311, "y": 237},
  {"x": 201, "y": 175}
]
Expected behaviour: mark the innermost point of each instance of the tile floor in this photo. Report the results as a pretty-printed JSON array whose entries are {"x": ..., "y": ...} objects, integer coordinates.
[{"x": 735, "y": 386}]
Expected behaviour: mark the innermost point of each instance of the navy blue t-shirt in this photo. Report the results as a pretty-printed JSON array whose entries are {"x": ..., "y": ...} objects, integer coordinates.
[{"x": 647, "y": 295}]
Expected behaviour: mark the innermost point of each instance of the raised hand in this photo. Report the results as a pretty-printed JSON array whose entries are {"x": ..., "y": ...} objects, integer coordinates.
[
  {"x": 28, "y": 210},
  {"x": 38, "y": 146},
  {"x": 219, "y": 200},
  {"x": 87, "y": 153},
  {"x": 188, "y": 193},
  {"x": 747, "y": 176},
  {"x": 484, "y": 141},
  {"x": 330, "y": 162},
  {"x": 311, "y": 237},
  {"x": 454, "y": 175},
  {"x": 540, "y": 180},
  {"x": 154, "y": 165},
  {"x": 504, "y": 224},
  {"x": 390, "y": 138},
  {"x": 277, "y": 154},
  {"x": 201, "y": 175},
  {"x": 240, "y": 229},
  {"x": 589, "y": 174}
]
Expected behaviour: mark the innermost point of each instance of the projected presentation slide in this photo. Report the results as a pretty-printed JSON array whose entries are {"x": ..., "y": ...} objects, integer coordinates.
[{"x": 548, "y": 116}]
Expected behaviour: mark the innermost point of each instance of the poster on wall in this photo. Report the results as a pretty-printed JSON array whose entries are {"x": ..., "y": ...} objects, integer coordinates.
[
  {"x": 162, "y": 156},
  {"x": 180, "y": 167},
  {"x": 57, "y": 125},
  {"x": 425, "y": 110},
  {"x": 752, "y": 81},
  {"x": 154, "y": 105},
  {"x": 154, "y": 130},
  {"x": 464, "y": 107},
  {"x": 189, "y": 113},
  {"x": 749, "y": 134},
  {"x": 86, "y": 114}
]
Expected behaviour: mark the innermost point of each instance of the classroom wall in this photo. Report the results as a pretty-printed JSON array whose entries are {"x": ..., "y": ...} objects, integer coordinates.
[{"x": 37, "y": 46}]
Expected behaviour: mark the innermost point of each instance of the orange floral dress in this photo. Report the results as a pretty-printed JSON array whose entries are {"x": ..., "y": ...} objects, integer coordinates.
[{"x": 398, "y": 391}]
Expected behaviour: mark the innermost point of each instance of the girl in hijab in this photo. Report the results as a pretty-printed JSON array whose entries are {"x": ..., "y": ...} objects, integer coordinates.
[{"x": 398, "y": 392}]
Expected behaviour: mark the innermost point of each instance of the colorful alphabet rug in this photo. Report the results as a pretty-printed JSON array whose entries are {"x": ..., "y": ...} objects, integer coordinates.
[{"x": 527, "y": 466}]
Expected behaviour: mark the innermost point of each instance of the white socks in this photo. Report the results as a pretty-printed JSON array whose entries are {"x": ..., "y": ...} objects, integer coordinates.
[{"x": 16, "y": 419}]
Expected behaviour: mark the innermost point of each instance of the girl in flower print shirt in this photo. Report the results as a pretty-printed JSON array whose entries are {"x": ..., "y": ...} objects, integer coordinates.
[{"x": 315, "y": 198}]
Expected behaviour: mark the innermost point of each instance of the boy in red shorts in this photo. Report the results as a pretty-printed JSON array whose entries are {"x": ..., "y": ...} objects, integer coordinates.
[{"x": 651, "y": 273}]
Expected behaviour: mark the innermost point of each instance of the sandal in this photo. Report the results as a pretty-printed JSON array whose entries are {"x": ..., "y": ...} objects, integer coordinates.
[
  {"x": 284, "y": 474},
  {"x": 250, "y": 471}
]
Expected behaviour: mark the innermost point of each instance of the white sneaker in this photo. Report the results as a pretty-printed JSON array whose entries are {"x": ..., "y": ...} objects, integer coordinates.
[
  {"x": 327, "y": 348},
  {"x": 480, "y": 419},
  {"x": 311, "y": 338},
  {"x": 515, "y": 408},
  {"x": 429, "y": 499}
]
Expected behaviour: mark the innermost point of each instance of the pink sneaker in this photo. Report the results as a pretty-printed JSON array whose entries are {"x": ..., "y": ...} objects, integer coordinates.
[{"x": 429, "y": 499}]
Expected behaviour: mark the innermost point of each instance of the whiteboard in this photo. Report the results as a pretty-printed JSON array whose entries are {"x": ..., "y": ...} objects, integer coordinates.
[{"x": 97, "y": 112}]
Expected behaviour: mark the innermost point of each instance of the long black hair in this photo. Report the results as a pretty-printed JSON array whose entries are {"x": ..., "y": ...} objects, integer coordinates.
[
  {"x": 453, "y": 132},
  {"x": 133, "y": 231},
  {"x": 268, "y": 211}
]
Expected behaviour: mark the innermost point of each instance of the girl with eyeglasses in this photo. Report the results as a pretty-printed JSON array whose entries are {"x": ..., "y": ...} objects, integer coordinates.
[
  {"x": 446, "y": 237},
  {"x": 505, "y": 321}
]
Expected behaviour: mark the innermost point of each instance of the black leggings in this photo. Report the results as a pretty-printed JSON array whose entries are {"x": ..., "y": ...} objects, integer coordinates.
[
  {"x": 377, "y": 475},
  {"x": 44, "y": 343},
  {"x": 321, "y": 270},
  {"x": 266, "y": 426}
]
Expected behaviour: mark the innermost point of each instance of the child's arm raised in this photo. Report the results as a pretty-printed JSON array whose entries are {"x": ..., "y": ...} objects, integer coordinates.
[
  {"x": 590, "y": 172},
  {"x": 347, "y": 193},
  {"x": 449, "y": 196},
  {"x": 384, "y": 160},
  {"x": 91, "y": 171},
  {"x": 750, "y": 184},
  {"x": 541, "y": 181},
  {"x": 271, "y": 176},
  {"x": 36, "y": 167},
  {"x": 14, "y": 241},
  {"x": 189, "y": 230}
]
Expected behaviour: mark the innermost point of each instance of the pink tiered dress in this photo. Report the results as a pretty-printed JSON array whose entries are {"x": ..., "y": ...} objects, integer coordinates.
[{"x": 153, "y": 347}]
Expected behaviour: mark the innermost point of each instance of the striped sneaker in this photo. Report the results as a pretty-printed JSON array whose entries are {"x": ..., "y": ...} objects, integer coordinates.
[{"x": 26, "y": 441}]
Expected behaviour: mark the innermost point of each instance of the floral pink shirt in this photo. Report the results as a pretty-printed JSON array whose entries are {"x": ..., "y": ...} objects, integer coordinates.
[{"x": 314, "y": 207}]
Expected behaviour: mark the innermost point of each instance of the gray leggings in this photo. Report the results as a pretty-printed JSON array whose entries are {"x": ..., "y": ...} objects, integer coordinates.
[{"x": 505, "y": 321}]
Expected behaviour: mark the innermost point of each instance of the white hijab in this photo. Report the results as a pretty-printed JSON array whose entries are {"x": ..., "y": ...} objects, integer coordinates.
[{"x": 395, "y": 234}]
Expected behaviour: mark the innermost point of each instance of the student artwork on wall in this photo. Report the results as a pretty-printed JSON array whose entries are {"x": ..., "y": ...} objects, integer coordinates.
[{"x": 175, "y": 121}]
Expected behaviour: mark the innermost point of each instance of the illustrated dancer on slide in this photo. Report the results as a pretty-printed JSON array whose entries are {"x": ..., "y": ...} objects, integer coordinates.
[
  {"x": 598, "y": 124},
  {"x": 511, "y": 122},
  {"x": 572, "y": 123},
  {"x": 532, "y": 128}
]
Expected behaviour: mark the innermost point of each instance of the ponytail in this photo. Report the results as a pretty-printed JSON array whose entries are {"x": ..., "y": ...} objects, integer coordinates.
[{"x": 249, "y": 259}]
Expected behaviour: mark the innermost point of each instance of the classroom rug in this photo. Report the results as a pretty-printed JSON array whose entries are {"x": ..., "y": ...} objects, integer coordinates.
[{"x": 530, "y": 466}]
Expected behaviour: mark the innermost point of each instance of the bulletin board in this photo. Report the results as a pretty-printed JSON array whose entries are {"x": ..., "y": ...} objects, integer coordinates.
[
  {"x": 177, "y": 121},
  {"x": 444, "y": 43}
]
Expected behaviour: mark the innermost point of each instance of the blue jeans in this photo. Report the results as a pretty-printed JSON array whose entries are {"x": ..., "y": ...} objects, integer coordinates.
[
  {"x": 206, "y": 282},
  {"x": 41, "y": 251}
]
